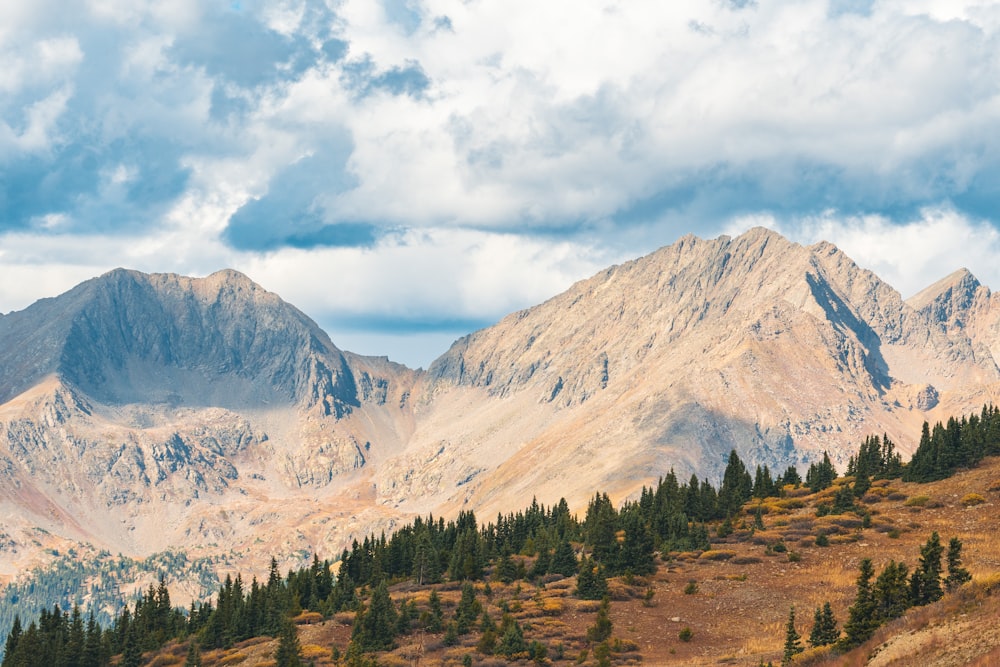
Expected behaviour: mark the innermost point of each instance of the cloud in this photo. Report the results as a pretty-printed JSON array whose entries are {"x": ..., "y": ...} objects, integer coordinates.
[
  {"x": 361, "y": 143},
  {"x": 910, "y": 255}
]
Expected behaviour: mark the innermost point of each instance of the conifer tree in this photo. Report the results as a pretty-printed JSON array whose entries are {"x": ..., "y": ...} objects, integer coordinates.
[
  {"x": 957, "y": 575},
  {"x": 861, "y": 623},
  {"x": 925, "y": 584},
  {"x": 793, "y": 644},
  {"x": 591, "y": 583},
  {"x": 488, "y": 641},
  {"x": 891, "y": 593},
  {"x": 564, "y": 560},
  {"x": 468, "y": 609},
  {"x": 511, "y": 637},
  {"x": 824, "y": 631},
  {"x": 289, "y": 653},
  {"x": 435, "y": 621},
  {"x": 193, "y": 655},
  {"x": 374, "y": 627},
  {"x": 601, "y": 629}
]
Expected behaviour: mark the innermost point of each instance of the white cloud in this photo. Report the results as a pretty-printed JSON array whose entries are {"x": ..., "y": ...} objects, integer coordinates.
[{"x": 909, "y": 255}]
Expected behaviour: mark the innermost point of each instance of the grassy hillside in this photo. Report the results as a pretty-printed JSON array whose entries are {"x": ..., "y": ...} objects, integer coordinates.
[{"x": 729, "y": 604}]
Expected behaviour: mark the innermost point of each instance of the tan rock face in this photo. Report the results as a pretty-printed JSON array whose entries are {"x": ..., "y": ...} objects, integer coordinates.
[{"x": 147, "y": 411}]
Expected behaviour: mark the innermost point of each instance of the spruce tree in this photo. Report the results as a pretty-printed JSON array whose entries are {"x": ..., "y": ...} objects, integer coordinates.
[
  {"x": 824, "y": 631},
  {"x": 925, "y": 584},
  {"x": 601, "y": 629},
  {"x": 468, "y": 609},
  {"x": 591, "y": 583},
  {"x": 861, "y": 623},
  {"x": 793, "y": 643},
  {"x": 193, "y": 655},
  {"x": 564, "y": 560},
  {"x": 511, "y": 637},
  {"x": 957, "y": 575},
  {"x": 374, "y": 627},
  {"x": 891, "y": 593},
  {"x": 289, "y": 653}
]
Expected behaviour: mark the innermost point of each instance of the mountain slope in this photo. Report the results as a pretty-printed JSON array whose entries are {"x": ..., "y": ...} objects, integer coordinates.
[{"x": 145, "y": 411}]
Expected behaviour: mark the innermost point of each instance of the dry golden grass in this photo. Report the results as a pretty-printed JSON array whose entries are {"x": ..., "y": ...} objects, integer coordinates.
[{"x": 738, "y": 615}]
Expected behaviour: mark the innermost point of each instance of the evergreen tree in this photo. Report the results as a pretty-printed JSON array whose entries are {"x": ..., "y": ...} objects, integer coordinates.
[
  {"x": 737, "y": 486},
  {"x": 468, "y": 609},
  {"x": 591, "y": 583},
  {"x": 488, "y": 641},
  {"x": 891, "y": 593},
  {"x": 601, "y": 629},
  {"x": 374, "y": 627},
  {"x": 861, "y": 622},
  {"x": 511, "y": 638},
  {"x": 194, "y": 655},
  {"x": 957, "y": 575},
  {"x": 425, "y": 567},
  {"x": 821, "y": 475},
  {"x": 289, "y": 653},
  {"x": 793, "y": 644},
  {"x": 435, "y": 620},
  {"x": 824, "y": 631},
  {"x": 13, "y": 637},
  {"x": 131, "y": 653},
  {"x": 564, "y": 560},
  {"x": 925, "y": 584}
]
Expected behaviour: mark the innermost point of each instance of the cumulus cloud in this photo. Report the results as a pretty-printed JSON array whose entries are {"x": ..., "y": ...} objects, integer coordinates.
[
  {"x": 382, "y": 136},
  {"x": 910, "y": 254}
]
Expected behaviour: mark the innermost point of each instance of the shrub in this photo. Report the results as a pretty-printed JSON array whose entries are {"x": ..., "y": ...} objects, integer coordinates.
[
  {"x": 822, "y": 540},
  {"x": 972, "y": 499},
  {"x": 917, "y": 501},
  {"x": 717, "y": 554},
  {"x": 685, "y": 635},
  {"x": 691, "y": 588},
  {"x": 794, "y": 556}
]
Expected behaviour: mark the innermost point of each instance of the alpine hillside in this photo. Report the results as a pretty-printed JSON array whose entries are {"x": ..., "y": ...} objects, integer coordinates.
[{"x": 143, "y": 412}]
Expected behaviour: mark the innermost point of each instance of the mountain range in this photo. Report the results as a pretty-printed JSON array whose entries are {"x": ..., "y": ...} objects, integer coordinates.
[{"x": 143, "y": 412}]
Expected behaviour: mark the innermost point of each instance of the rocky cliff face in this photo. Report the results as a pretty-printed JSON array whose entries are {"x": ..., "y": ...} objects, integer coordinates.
[{"x": 143, "y": 411}]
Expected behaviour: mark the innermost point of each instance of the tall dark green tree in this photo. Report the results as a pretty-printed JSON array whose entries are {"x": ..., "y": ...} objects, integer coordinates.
[
  {"x": 824, "y": 631},
  {"x": 375, "y": 626},
  {"x": 861, "y": 620},
  {"x": 925, "y": 584},
  {"x": 601, "y": 629},
  {"x": 957, "y": 575},
  {"x": 737, "y": 486},
  {"x": 793, "y": 643},
  {"x": 289, "y": 652}
]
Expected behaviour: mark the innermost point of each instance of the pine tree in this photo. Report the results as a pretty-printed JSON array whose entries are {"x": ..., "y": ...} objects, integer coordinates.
[
  {"x": 601, "y": 629},
  {"x": 511, "y": 638},
  {"x": 13, "y": 637},
  {"x": 374, "y": 627},
  {"x": 925, "y": 584},
  {"x": 891, "y": 595},
  {"x": 957, "y": 575},
  {"x": 793, "y": 645},
  {"x": 435, "y": 620},
  {"x": 824, "y": 631},
  {"x": 289, "y": 653},
  {"x": 468, "y": 609},
  {"x": 193, "y": 655},
  {"x": 861, "y": 623},
  {"x": 488, "y": 642},
  {"x": 564, "y": 560},
  {"x": 591, "y": 583}
]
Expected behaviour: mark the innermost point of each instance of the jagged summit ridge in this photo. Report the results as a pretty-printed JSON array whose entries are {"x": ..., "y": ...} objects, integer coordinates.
[{"x": 180, "y": 396}]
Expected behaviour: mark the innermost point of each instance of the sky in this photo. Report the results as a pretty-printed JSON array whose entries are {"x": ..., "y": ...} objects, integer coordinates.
[{"x": 408, "y": 171}]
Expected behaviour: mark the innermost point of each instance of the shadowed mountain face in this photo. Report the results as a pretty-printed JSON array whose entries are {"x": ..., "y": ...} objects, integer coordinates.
[
  {"x": 220, "y": 341},
  {"x": 210, "y": 411}
]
